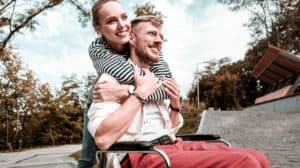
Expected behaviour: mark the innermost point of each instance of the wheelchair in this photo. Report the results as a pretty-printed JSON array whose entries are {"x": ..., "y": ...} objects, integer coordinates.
[{"x": 149, "y": 147}]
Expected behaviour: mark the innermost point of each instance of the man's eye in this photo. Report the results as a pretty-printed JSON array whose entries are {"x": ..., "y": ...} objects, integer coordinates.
[
  {"x": 151, "y": 33},
  {"x": 161, "y": 37}
]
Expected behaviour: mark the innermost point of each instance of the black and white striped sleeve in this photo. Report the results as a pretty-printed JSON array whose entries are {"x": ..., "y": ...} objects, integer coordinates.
[
  {"x": 106, "y": 61},
  {"x": 160, "y": 69}
]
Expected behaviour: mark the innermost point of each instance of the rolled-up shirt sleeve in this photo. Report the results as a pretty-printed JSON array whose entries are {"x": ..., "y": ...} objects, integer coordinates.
[{"x": 99, "y": 111}]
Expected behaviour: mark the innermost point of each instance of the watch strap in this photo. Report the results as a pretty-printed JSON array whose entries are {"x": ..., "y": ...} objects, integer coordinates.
[{"x": 139, "y": 97}]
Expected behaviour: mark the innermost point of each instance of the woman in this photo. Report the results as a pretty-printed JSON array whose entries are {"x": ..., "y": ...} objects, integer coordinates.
[{"x": 108, "y": 53}]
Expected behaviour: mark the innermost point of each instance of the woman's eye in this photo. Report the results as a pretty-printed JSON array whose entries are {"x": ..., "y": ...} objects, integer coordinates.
[
  {"x": 124, "y": 17},
  {"x": 110, "y": 21}
]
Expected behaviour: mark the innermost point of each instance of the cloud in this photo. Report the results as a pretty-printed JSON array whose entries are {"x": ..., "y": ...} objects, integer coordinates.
[
  {"x": 58, "y": 47},
  {"x": 196, "y": 31},
  {"x": 197, "y": 36}
]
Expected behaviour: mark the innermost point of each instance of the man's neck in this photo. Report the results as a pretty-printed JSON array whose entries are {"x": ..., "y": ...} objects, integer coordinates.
[{"x": 135, "y": 60}]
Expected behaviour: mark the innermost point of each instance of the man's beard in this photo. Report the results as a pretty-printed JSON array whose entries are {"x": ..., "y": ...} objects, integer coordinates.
[{"x": 144, "y": 57}]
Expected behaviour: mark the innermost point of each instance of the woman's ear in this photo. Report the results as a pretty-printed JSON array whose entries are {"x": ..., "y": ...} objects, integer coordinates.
[{"x": 99, "y": 29}]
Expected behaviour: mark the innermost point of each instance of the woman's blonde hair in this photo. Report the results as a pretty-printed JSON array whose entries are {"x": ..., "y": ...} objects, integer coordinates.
[{"x": 95, "y": 11}]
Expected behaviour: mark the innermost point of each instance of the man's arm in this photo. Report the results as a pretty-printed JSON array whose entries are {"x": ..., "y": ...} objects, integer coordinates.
[{"x": 117, "y": 122}]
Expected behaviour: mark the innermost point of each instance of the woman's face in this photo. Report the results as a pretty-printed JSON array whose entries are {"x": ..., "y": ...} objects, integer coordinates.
[{"x": 114, "y": 24}]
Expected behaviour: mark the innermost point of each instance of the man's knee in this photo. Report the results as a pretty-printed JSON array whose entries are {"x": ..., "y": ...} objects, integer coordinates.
[{"x": 248, "y": 161}]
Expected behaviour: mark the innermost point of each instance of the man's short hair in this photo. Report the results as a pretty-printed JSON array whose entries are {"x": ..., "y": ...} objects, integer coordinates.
[{"x": 154, "y": 20}]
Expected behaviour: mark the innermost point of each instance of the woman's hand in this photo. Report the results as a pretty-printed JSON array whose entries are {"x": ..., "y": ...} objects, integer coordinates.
[
  {"x": 173, "y": 90},
  {"x": 109, "y": 91},
  {"x": 147, "y": 84}
]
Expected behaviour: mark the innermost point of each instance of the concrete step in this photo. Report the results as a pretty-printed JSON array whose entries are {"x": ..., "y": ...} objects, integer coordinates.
[
  {"x": 48, "y": 157},
  {"x": 275, "y": 133}
]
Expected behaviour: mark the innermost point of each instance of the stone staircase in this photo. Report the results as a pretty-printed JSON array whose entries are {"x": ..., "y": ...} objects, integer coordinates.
[{"x": 275, "y": 133}]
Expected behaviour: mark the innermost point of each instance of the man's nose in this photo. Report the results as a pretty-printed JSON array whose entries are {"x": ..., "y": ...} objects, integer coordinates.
[{"x": 158, "y": 39}]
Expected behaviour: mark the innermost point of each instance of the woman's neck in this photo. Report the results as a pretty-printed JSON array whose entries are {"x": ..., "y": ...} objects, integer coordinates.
[{"x": 119, "y": 48}]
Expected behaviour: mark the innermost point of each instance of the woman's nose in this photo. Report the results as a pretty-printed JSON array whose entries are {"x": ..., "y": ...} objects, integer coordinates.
[{"x": 121, "y": 24}]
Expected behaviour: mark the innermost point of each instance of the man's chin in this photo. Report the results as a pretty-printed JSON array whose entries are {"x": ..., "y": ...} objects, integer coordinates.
[{"x": 154, "y": 60}]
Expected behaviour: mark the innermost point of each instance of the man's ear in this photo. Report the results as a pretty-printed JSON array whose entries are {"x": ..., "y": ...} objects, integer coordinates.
[{"x": 131, "y": 38}]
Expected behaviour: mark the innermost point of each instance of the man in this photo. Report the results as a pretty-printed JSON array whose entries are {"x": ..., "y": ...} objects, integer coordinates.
[
  {"x": 109, "y": 53},
  {"x": 134, "y": 119}
]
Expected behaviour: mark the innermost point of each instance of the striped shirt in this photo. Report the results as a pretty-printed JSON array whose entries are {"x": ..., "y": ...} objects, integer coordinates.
[{"x": 106, "y": 60}]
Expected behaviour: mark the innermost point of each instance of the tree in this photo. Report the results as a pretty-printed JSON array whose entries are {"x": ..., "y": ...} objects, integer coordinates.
[
  {"x": 18, "y": 15},
  {"x": 261, "y": 11},
  {"x": 44, "y": 107},
  {"x": 65, "y": 114},
  {"x": 17, "y": 88},
  {"x": 147, "y": 9},
  {"x": 225, "y": 85},
  {"x": 272, "y": 22}
]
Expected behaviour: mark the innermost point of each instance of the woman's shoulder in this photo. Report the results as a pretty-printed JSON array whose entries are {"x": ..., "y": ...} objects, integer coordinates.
[{"x": 99, "y": 42}]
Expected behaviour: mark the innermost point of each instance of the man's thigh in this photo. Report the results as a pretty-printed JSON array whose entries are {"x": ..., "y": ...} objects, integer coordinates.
[
  {"x": 199, "y": 159},
  {"x": 214, "y": 147},
  {"x": 198, "y": 154}
]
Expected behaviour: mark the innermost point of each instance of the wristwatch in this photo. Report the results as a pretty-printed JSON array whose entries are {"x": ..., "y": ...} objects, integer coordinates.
[{"x": 131, "y": 89}]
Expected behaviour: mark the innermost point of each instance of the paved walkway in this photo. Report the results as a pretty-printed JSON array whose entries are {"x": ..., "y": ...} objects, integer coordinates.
[
  {"x": 275, "y": 133},
  {"x": 54, "y": 157}
]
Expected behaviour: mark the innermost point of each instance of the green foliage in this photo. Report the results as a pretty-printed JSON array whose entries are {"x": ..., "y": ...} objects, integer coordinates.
[
  {"x": 225, "y": 85},
  {"x": 191, "y": 118},
  {"x": 261, "y": 14},
  {"x": 19, "y": 15},
  {"x": 271, "y": 22},
  {"x": 231, "y": 85},
  {"x": 31, "y": 114},
  {"x": 147, "y": 9}
]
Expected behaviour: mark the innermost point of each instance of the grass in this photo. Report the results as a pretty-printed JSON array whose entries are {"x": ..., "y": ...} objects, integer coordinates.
[
  {"x": 191, "y": 118},
  {"x": 76, "y": 156}
]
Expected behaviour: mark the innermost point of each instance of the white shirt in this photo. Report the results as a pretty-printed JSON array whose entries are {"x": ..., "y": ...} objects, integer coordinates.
[{"x": 151, "y": 121}]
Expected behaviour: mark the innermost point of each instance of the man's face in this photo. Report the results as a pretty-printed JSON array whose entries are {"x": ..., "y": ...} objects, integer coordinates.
[{"x": 148, "y": 43}]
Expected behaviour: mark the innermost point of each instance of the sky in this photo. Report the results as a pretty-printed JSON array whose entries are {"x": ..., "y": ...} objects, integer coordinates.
[{"x": 196, "y": 31}]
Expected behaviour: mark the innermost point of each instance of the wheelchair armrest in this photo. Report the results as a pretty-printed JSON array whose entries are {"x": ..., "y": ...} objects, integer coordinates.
[
  {"x": 199, "y": 137},
  {"x": 131, "y": 146}
]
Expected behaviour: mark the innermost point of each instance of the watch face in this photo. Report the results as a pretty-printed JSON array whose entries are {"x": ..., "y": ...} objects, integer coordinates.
[{"x": 131, "y": 89}]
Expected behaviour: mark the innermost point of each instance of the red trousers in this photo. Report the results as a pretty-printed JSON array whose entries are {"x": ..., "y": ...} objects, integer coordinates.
[{"x": 195, "y": 154}]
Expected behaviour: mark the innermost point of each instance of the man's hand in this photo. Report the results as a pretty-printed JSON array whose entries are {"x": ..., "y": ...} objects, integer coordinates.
[
  {"x": 147, "y": 84},
  {"x": 173, "y": 90},
  {"x": 109, "y": 91}
]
